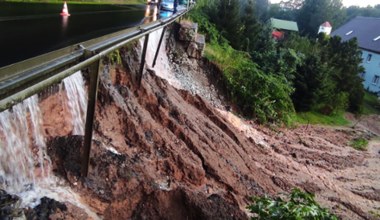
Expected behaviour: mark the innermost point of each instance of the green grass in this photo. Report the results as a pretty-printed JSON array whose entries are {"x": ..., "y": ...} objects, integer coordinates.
[
  {"x": 359, "y": 144},
  {"x": 371, "y": 104},
  {"x": 317, "y": 118}
]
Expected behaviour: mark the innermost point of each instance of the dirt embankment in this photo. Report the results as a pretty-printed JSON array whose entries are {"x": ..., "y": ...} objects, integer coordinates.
[{"x": 164, "y": 153}]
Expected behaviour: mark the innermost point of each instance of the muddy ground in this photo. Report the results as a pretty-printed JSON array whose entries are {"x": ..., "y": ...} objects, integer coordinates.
[{"x": 164, "y": 152}]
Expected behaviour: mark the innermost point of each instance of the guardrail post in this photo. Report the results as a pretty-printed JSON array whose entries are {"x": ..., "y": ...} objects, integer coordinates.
[
  {"x": 142, "y": 62},
  {"x": 159, "y": 45},
  {"x": 94, "y": 70}
]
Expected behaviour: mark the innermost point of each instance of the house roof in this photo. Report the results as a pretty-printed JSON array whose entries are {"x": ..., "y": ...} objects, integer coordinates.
[
  {"x": 284, "y": 24},
  {"x": 365, "y": 29},
  {"x": 326, "y": 24}
]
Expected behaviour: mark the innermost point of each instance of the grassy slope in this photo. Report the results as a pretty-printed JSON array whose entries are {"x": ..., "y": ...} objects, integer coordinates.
[
  {"x": 317, "y": 118},
  {"x": 371, "y": 104}
]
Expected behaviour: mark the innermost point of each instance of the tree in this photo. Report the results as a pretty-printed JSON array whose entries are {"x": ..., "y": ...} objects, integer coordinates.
[
  {"x": 314, "y": 87},
  {"x": 228, "y": 20},
  {"x": 345, "y": 58},
  {"x": 276, "y": 11},
  {"x": 291, "y": 4},
  {"x": 315, "y": 12},
  {"x": 354, "y": 11},
  {"x": 262, "y": 9},
  {"x": 251, "y": 29}
]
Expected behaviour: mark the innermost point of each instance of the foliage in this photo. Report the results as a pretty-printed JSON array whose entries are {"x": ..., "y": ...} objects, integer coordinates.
[
  {"x": 291, "y": 4},
  {"x": 318, "y": 118},
  {"x": 354, "y": 11},
  {"x": 268, "y": 79},
  {"x": 300, "y": 205},
  {"x": 371, "y": 104},
  {"x": 345, "y": 60},
  {"x": 359, "y": 144},
  {"x": 206, "y": 27},
  {"x": 314, "y": 12},
  {"x": 251, "y": 28},
  {"x": 262, "y": 7},
  {"x": 276, "y": 11},
  {"x": 260, "y": 95},
  {"x": 114, "y": 57},
  {"x": 226, "y": 17},
  {"x": 326, "y": 79}
]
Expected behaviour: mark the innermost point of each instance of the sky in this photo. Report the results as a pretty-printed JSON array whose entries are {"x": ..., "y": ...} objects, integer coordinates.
[{"x": 347, "y": 3}]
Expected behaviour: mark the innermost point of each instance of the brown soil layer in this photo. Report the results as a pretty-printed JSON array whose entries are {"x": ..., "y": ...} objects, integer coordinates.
[{"x": 164, "y": 153}]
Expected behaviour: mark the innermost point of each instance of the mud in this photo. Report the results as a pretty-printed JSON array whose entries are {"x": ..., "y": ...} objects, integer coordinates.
[{"x": 160, "y": 152}]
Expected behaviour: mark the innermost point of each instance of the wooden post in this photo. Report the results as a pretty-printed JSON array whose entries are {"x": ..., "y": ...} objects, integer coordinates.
[
  {"x": 92, "y": 97},
  {"x": 142, "y": 62},
  {"x": 158, "y": 47}
]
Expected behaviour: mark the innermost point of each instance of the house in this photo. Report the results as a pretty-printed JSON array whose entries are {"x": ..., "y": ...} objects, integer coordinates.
[
  {"x": 282, "y": 27},
  {"x": 325, "y": 28},
  {"x": 367, "y": 32}
]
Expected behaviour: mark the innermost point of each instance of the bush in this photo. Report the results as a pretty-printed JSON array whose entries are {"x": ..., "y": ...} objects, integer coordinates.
[
  {"x": 359, "y": 144},
  {"x": 299, "y": 206},
  {"x": 263, "y": 96}
]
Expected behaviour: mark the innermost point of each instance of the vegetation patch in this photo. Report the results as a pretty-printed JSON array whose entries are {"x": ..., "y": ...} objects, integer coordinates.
[
  {"x": 263, "y": 96},
  {"x": 318, "y": 118},
  {"x": 299, "y": 205},
  {"x": 359, "y": 144},
  {"x": 371, "y": 104},
  {"x": 269, "y": 80}
]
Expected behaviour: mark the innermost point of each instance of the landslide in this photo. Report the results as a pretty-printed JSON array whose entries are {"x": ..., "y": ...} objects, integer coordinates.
[
  {"x": 165, "y": 153},
  {"x": 161, "y": 153},
  {"x": 174, "y": 141}
]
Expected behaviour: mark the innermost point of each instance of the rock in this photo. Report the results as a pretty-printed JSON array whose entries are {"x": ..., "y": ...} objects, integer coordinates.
[
  {"x": 192, "y": 50},
  {"x": 45, "y": 209},
  {"x": 200, "y": 40},
  {"x": 188, "y": 31},
  {"x": 10, "y": 206},
  {"x": 196, "y": 48}
]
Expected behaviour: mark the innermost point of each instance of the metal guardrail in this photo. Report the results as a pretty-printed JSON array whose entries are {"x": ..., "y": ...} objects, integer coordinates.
[{"x": 24, "y": 79}]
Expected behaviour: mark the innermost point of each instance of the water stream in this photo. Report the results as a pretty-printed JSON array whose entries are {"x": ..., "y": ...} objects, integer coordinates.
[
  {"x": 77, "y": 102},
  {"x": 22, "y": 147},
  {"x": 25, "y": 167}
]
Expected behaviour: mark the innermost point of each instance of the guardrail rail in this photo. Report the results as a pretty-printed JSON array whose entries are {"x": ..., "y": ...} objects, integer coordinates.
[{"x": 21, "y": 80}]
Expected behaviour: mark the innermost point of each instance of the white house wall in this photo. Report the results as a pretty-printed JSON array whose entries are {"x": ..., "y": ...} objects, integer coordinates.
[{"x": 372, "y": 69}]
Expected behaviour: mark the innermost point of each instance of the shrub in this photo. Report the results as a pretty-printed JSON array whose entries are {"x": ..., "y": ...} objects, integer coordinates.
[
  {"x": 299, "y": 206},
  {"x": 264, "y": 96},
  {"x": 359, "y": 144}
]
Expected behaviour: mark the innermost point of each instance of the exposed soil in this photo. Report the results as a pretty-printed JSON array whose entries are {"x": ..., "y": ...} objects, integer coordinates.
[{"x": 165, "y": 153}]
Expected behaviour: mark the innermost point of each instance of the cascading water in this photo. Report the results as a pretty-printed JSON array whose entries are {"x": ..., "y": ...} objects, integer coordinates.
[
  {"x": 76, "y": 96},
  {"x": 162, "y": 67},
  {"x": 24, "y": 163},
  {"x": 19, "y": 141}
]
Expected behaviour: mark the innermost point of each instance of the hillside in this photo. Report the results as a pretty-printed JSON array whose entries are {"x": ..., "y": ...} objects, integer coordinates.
[
  {"x": 170, "y": 150},
  {"x": 173, "y": 149}
]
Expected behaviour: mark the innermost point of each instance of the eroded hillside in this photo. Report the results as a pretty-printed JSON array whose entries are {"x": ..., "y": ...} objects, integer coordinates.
[{"x": 165, "y": 153}]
